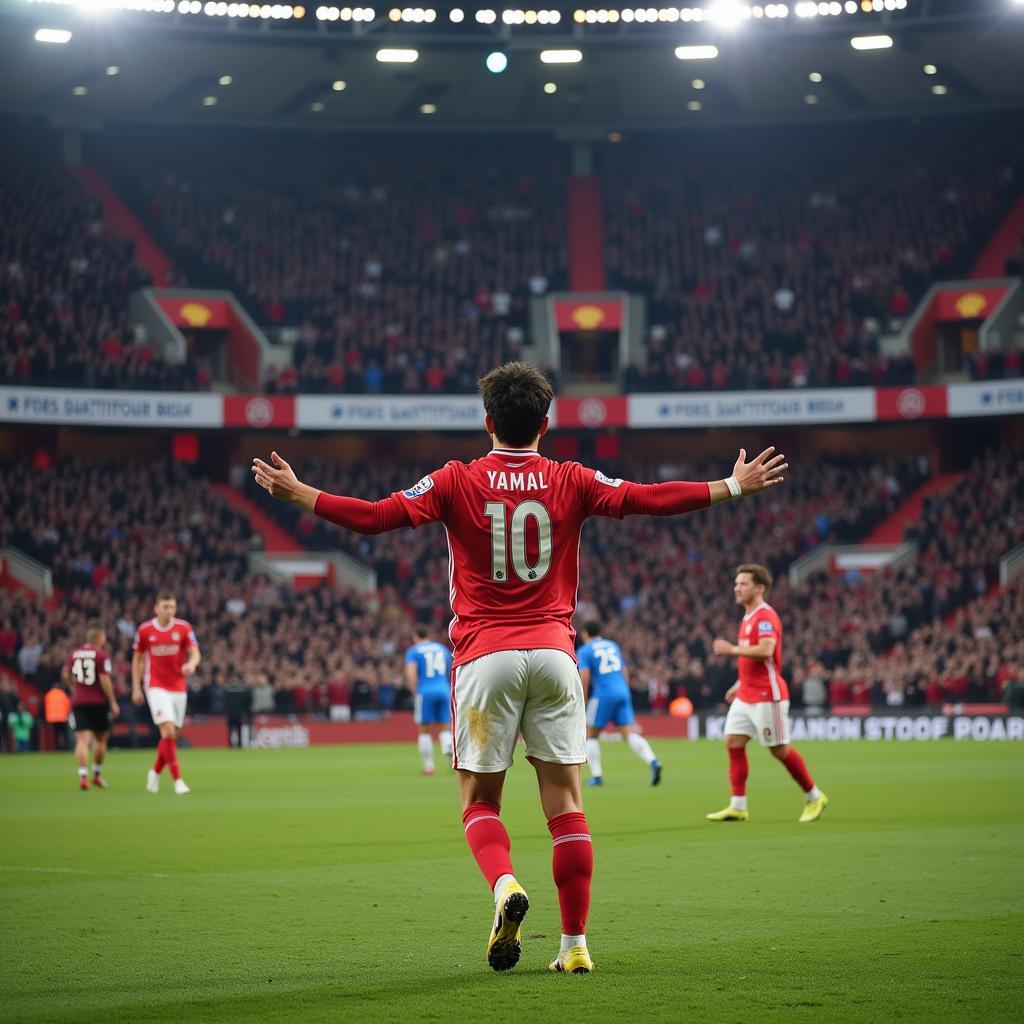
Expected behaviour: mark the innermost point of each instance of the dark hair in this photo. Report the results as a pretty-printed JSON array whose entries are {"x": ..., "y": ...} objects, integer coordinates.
[
  {"x": 592, "y": 627},
  {"x": 517, "y": 397},
  {"x": 761, "y": 576},
  {"x": 93, "y": 628},
  {"x": 165, "y": 595},
  {"x": 422, "y": 631}
]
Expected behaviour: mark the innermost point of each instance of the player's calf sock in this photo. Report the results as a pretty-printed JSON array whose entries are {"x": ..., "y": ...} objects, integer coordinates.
[
  {"x": 445, "y": 739},
  {"x": 572, "y": 864},
  {"x": 739, "y": 769},
  {"x": 167, "y": 750},
  {"x": 641, "y": 747},
  {"x": 160, "y": 762},
  {"x": 488, "y": 840},
  {"x": 798, "y": 769},
  {"x": 426, "y": 745},
  {"x": 594, "y": 756}
]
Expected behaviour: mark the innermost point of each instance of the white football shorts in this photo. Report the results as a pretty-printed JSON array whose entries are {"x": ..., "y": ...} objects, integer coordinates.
[
  {"x": 536, "y": 692},
  {"x": 767, "y": 721},
  {"x": 166, "y": 705}
]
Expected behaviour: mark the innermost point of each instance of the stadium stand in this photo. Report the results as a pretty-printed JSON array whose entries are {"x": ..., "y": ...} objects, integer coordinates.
[
  {"x": 401, "y": 275},
  {"x": 777, "y": 266},
  {"x": 64, "y": 283},
  {"x": 662, "y": 587},
  {"x": 144, "y": 528}
]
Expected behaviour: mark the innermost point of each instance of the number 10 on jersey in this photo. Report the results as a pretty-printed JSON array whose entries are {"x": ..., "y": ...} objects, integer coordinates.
[{"x": 510, "y": 536}]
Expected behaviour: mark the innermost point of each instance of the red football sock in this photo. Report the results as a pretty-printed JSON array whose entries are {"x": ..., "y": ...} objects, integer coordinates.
[
  {"x": 488, "y": 840},
  {"x": 739, "y": 769},
  {"x": 795, "y": 766},
  {"x": 572, "y": 864},
  {"x": 158, "y": 764},
  {"x": 168, "y": 751}
]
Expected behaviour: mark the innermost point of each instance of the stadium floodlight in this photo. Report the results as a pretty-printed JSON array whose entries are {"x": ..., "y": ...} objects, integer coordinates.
[
  {"x": 550, "y": 88},
  {"x": 727, "y": 13},
  {"x": 80, "y": 90},
  {"x": 815, "y": 77},
  {"x": 317, "y": 106},
  {"x": 339, "y": 85},
  {"x": 486, "y": 17},
  {"x": 694, "y": 105},
  {"x": 225, "y": 80},
  {"x": 810, "y": 99},
  {"x": 939, "y": 90},
  {"x": 930, "y": 69},
  {"x": 456, "y": 14},
  {"x": 209, "y": 101},
  {"x": 52, "y": 35},
  {"x": 112, "y": 70},
  {"x": 428, "y": 108},
  {"x": 391, "y": 55},
  {"x": 561, "y": 56},
  {"x": 871, "y": 42},
  {"x": 705, "y": 52},
  {"x": 496, "y": 62}
]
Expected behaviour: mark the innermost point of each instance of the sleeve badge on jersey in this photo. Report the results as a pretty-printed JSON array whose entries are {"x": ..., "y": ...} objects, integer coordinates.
[
  {"x": 418, "y": 490},
  {"x": 764, "y": 627},
  {"x": 602, "y": 479}
]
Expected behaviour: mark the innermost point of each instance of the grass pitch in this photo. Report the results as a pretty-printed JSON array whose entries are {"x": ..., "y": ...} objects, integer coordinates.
[{"x": 334, "y": 884}]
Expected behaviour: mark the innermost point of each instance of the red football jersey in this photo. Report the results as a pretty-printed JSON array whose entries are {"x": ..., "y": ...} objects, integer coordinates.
[
  {"x": 761, "y": 680},
  {"x": 85, "y": 664},
  {"x": 513, "y": 520},
  {"x": 166, "y": 650}
]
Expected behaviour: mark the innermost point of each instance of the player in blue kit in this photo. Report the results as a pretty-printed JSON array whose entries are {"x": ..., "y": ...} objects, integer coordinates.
[
  {"x": 606, "y": 685},
  {"x": 428, "y": 670}
]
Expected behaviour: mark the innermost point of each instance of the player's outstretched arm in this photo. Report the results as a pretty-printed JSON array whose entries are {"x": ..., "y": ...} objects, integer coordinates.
[
  {"x": 280, "y": 481},
  {"x": 677, "y": 497}
]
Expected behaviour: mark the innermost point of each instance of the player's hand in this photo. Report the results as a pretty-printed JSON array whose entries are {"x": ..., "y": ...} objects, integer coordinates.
[
  {"x": 730, "y": 694},
  {"x": 761, "y": 473},
  {"x": 188, "y": 670},
  {"x": 137, "y": 698},
  {"x": 721, "y": 646},
  {"x": 278, "y": 480},
  {"x": 115, "y": 709}
]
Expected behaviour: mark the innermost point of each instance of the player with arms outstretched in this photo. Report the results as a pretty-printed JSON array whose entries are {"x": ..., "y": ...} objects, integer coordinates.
[
  {"x": 759, "y": 707},
  {"x": 606, "y": 685},
  {"x": 428, "y": 667},
  {"x": 165, "y": 654},
  {"x": 513, "y": 520},
  {"x": 93, "y": 702}
]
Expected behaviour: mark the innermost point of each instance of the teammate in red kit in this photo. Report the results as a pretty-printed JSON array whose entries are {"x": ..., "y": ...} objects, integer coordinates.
[
  {"x": 513, "y": 520},
  {"x": 93, "y": 702},
  {"x": 166, "y": 654},
  {"x": 759, "y": 706}
]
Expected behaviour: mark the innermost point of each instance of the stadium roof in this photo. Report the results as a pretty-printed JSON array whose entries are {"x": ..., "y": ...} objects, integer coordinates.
[{"x": 165, "y": 66}]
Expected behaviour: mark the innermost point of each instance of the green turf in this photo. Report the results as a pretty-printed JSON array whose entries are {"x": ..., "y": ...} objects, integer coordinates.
[{"x": 333, "y": 884}]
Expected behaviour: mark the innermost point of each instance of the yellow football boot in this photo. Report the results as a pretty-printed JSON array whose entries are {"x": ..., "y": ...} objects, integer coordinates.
[
  {"x": 728, "y": 814},
  {"x": 504, "y": 943},
  {"x": 575, "y": 961},
  {"x": 813, "y": 808}
]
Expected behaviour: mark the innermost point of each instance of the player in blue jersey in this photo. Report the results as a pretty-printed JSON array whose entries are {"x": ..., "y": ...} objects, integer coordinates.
[
  {"x": 606, "y": 685},
  {"x": 428, "y": 670}
]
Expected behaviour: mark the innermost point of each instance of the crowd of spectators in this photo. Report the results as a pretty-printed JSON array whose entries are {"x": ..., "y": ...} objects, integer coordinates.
[
  {"x": 780, "y": 266},
  {"x": 65, "y": 278},
  {"x": 397, "y": 274},
  {"x": 116, "y": 533}
]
